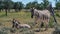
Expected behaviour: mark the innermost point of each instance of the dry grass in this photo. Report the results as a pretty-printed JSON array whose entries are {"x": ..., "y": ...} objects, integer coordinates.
[{"x": 23, "y": 17}]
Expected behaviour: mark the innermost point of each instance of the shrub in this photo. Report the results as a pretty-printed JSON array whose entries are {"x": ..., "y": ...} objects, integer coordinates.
[
  {"x": 5, "y": 29},
  {"x": 51, "y": 22},
  {"x": 57, "y": 15},
  {"x": 2, "y": 32}
]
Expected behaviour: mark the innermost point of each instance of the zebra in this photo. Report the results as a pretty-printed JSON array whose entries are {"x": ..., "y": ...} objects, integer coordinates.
[
  {"x": 18, "y": 25},
  {"x": 43, "y": 16},
  {"x": 15, "y": 23}
]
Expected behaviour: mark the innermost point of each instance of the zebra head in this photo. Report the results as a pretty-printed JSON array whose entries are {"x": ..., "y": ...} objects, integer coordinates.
[
  {"x": 50, "y": 8},
  {"x": 32, "y": 12}
]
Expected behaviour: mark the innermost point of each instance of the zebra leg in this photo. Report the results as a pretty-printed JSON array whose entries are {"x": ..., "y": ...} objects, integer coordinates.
[
  {"x": 46, "y": 28},
  {"x": 46, "y": 24},
  {"x": 40, "y": 26},
  {"x": 12, "y": 26},
  {"x": 36, "y": 19},
  {"x": 41, "y": 23}
]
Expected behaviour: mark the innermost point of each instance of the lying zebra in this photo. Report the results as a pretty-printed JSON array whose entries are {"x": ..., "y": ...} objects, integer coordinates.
[{"x": 17, "y": 24}]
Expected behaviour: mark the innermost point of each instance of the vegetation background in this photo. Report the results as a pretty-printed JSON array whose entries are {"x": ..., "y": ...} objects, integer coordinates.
[{"x": 10, "y": 10}]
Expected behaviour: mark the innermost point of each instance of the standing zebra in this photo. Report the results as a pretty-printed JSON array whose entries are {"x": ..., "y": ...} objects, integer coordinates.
[{"x": 42, "y": 15}]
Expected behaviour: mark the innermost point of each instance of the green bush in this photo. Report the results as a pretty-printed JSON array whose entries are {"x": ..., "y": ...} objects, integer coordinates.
[
  {"x": 51, "y": 22},
  {"x": 3, "y": 32},
  {"x": 5, "y": 29},
  {"x": 57, "y": 15}
]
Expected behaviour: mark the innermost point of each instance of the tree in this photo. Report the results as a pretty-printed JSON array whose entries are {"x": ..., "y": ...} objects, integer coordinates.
[
  {"x": 21, "y": 5},
  {"x": 40, "y": 6},
  {"x": 10, "y": 5},
  {"x": 31, "y": 4},
  {"x": 1, "y": 5},
  {"x": 28, "y": 5},
  {"x": 34, "y": 4},
  {"x": 45, "y": 3},
  {"x": 56, "y": 0},
  {"x": 7, "y": 5},
  {"x": 58, "y": 5},
  {"x": 18, "y": 6}
]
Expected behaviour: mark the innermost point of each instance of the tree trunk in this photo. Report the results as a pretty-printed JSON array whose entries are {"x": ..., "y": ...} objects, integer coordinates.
[
  {"x": 16, "y": 10},
  {"x": 6, "y": 11}
]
